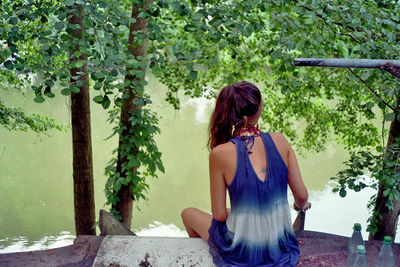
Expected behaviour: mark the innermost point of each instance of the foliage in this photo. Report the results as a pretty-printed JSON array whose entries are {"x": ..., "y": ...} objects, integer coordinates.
[
  {"x": 14, "y": 119},
  {"x": 198, "y": 43},
  {"x": 38, "y": 41},
  {"x": 383, "y": 168},
  {"x": 147, "y": 158},
  {"x": 220, "y": 42},
  {"x": 13, "y": 75},
  {"x": 198, "y": 46}
]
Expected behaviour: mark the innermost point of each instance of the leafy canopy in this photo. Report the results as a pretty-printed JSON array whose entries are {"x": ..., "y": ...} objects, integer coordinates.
[{"x": 196, "y": 47}]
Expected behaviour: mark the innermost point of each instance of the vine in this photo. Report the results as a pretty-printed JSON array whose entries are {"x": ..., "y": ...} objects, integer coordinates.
[
  {"x": 383, "y": 169},
  {"x": 195, "y": 47},
  {"x": 39, "y": 40}
]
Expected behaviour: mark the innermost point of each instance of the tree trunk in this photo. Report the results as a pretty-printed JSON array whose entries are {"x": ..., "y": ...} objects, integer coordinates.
[
  {"x": 81, "y": 138},
  {"x": 125, "y": 203},
  {"x": 387, "y": 220}
]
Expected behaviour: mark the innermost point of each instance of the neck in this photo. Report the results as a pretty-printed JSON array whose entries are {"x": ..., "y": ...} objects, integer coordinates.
[{"x": 249, "y": 130}]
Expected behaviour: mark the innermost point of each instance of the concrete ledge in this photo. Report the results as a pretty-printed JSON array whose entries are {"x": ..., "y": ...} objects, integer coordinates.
[
  {"x": 121, "y": 251},
  {"x": 316, "y": 249},
  {"x": 81, "y": 253}
]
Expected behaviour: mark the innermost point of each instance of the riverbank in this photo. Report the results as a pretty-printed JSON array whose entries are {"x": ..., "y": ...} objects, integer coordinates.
[{"x": 316, "y": 248}]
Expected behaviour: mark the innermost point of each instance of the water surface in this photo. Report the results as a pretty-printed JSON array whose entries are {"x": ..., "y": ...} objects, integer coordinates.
[{"x": 36, "y": 200}]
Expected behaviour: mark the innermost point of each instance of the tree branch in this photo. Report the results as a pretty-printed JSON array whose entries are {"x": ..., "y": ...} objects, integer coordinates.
[
  {"x": 336, "y": 23},
  {"x": 372, "y": 90}
]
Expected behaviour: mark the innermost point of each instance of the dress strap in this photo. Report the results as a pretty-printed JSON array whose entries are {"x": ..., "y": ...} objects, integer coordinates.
[
  {"x": 273, "y": 155},
  {"x": 249, "y": 142},
  {"x": 241, "y": 154}
]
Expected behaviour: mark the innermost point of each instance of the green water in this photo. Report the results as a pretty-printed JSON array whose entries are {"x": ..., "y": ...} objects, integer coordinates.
[{"x": 36, "y": 200}]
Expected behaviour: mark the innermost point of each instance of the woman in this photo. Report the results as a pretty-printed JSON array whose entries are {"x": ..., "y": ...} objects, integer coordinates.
[{"x": 256, "y": 168}]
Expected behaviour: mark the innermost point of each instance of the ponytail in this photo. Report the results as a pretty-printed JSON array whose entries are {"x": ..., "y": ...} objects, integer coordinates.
[{"x": 233, "y": 102}]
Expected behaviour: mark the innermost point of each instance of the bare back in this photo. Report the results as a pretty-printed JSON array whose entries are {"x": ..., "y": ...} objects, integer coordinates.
[
  {"x": 258, "y": 157},
  {"x": 223, "y": 164}
]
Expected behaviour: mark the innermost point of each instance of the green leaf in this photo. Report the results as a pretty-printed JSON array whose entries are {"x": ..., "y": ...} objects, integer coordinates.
[
  {"x": 13, "y": 20},
  {"x": 50, "y": 94},
  {"x": 39, "y": 99},
  {"x": 386, "y": 192},
  {"x": 140, "y": 74},
  {"x": 98, "y": 99},
  {"x": 342, "y": 192},
  {"x": 190, "y": 27},
  {"x": 139, "y": 101},
  {"x": 74, "y": 88},
  {"x": 119, "y": 102},
  {"x": 193, "y": 75},
  {"x": 66, "y": 91},
  {"x": 103, "y": 4},
  {"x": 98, "y": 75},
  {"x": 390, "y": 116},
  {"x": 8, "y": 64},
  {"x": 369, "y": 104},
  {"x": 19, "y": 67},
  {"x": 97, "y": 86},
  {"x": 59, "y": 26},
  {"x": 77, "y": 54},
  {"x": 49, "y": 83},
  {"x": 160, "y": 166},
  {"x": 80, "y": 83},
  {"x": 334, "y": 190},
  {"x": 114, "y": 72},
  {"x": 106, "y": 102},
  {"x": 381, "y": 105},
  {"x": 79, "y": 64},
  {"x": 69, "y": 2},
  {"x": 248, "y": 30}
]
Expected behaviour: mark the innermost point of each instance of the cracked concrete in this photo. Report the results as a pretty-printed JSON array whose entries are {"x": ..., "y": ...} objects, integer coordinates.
[{"x": 316, "y": 249}]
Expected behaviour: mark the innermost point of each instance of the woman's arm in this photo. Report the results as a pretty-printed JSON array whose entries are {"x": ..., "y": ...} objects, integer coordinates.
[
  {"x": 217, "y": 184},
  {"x": 296, "y": 183}
]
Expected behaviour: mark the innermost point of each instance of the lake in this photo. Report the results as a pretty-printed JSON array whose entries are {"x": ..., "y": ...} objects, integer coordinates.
[{"x": 36, "y": 200}]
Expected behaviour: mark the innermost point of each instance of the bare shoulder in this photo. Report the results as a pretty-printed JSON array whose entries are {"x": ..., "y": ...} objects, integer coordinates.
[
  {"x": 280, "y": 140},
  {"x": 223, "y": 161},
  {"x": 222, "y": 150}
]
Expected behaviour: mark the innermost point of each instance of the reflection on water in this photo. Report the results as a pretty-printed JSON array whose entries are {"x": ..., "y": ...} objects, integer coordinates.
[
  {"x": 333, "y": 214},
  {"x": 202, "y": 107},
  {"x": 159, "y": 229},
  {"x": 36, "y": 177},
  {"x": 22, "y": 243}
]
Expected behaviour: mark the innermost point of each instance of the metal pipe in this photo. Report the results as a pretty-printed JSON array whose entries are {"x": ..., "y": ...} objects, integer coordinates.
[{"x": 345, "y": 63}]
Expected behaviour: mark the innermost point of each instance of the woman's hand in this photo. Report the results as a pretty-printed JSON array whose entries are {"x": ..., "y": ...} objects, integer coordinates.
[{"x": 306, "y": 206}]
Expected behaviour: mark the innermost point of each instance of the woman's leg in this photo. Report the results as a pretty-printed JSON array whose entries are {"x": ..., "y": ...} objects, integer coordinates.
[{"x": 196, "y": 222}]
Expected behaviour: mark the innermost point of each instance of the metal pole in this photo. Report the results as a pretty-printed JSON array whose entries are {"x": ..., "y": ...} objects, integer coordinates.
[{"x": 346, "y": 63}]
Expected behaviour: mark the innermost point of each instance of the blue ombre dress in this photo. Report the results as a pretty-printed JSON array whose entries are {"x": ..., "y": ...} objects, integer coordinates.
[{"x": 258, "y": 230}]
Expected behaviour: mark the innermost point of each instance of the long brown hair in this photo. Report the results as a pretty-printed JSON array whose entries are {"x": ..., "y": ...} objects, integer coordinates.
[{"x": 233, "y": 102}]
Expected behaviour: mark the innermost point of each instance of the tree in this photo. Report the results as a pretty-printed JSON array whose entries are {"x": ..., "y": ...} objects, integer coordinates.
[
  {"x": 137, "y": 30},
  {"x": 37, "y": 43},
  {"x": 197, "y": 44},
  {"x": 54, "y": 41},
  {"x": 258, "y": 40},
  {"x": 195, "y": 47},
  {"x": 81, "y": 129}
]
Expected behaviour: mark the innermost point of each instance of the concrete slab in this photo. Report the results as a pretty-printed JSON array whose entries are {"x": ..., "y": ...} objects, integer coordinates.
[
  {"x": 152, "y": 251},
  {"x": 316, "y": 249},
  {"x": 81, "y": 253}
]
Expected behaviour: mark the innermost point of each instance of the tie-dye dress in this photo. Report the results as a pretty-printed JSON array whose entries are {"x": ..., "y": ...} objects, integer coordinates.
[{"x": 258, "y": 230}]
